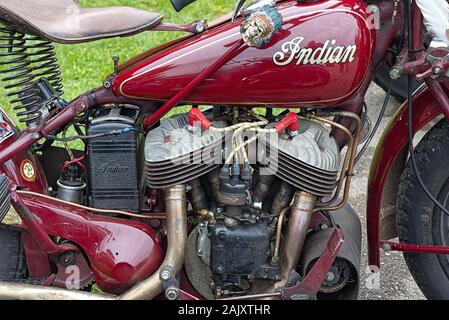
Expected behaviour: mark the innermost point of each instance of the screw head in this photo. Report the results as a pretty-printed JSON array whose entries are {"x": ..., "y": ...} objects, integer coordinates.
[
  {"x": 107, "y": 84},
  {"x": 199, "y": 27},
  {"x": 330, "y": 276},
  {"x": 172, "y": 293},
  {"x": 165, "y": 275},
  {"x": 437, "y": 70},
  {"x": 395, "y": 74}
]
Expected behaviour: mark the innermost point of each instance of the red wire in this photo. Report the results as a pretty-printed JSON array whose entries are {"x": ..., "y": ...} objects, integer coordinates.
[{"x": 77, "y": 161}]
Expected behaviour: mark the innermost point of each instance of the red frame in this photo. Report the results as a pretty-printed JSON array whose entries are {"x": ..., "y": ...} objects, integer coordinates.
[{"x": 46, "y": 217}]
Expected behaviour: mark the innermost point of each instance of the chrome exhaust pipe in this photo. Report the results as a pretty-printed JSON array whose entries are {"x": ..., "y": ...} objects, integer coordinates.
[{"x": 175, "y": 198}]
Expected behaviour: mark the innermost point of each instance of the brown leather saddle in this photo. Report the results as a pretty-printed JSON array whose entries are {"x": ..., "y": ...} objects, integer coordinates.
[{"x": 64, "y": 21}]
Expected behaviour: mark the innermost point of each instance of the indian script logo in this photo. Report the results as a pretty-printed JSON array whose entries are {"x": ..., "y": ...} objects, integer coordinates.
[{"x": 293, "y": 52}]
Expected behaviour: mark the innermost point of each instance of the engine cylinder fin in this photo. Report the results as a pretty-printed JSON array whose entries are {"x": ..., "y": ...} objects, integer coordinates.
[
  {"x": 176, "y": 153},
  {"x": 308, "y": 161}
]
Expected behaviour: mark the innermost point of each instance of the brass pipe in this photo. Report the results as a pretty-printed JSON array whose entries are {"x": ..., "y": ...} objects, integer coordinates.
[
  {"x": 21, "y": 291},
  {"x": 101, "y": 211},
  {"x": 298, "y": 225},
  {"x": 349, "y": 162},
  {"x": 346, "y": 162},
  {"x": 277, "y": 244},
  {"x": 175, "y": 203}
]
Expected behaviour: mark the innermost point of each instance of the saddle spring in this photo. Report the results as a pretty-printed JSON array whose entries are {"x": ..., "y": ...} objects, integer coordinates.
[{"x": 25, "y": 60}]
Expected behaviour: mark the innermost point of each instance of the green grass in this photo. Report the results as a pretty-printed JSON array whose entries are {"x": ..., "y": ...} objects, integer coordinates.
[{"x": 85, "y": 66}]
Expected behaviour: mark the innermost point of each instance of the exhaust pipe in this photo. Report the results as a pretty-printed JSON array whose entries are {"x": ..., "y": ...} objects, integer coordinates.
[
  {"x": 298, "y": 224},
  {"x": 342, "y": 282},
  {"x": 175, "y": 206},
  {"x": 20, "y": 291},
  {"x": 175, "y": 200}
]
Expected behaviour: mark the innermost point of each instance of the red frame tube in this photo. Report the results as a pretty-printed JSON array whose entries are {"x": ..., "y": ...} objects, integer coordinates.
[
  {"x": 415, "y": 248},
  {"x": 42, "y": 238},
  {"x": 159, "y": 113}
]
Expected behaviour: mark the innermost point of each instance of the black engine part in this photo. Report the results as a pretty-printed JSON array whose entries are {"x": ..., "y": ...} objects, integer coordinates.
[
  {"x": 116, "y": 162},
  {"x": 241, "y": 252},
  {"x": 235, "y": 190}
]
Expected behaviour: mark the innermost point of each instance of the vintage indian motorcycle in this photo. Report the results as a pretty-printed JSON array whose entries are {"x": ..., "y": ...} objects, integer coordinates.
[{"x": 225, "y": 201}]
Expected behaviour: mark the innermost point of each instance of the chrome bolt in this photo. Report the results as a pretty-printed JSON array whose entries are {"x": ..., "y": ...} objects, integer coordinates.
[
  {"x": 437, "y": 70},
  {"x": 200, "y": 252},
  {"x": 165, "y": 274},
  {"x": 200, "y": 27},
  {"x": 172, "y": 293},
  {"x": 395, "y": 74},
  {"x": 330, "y": 276},
  {"x": 107, "y": 84}
]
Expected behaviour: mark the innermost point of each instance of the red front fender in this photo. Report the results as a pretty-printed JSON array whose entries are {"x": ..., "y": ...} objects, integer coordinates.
[{"x": 388, "y": 152}]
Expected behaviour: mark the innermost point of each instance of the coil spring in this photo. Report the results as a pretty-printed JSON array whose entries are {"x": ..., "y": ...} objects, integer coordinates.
[{"x": 24, "y": 59}]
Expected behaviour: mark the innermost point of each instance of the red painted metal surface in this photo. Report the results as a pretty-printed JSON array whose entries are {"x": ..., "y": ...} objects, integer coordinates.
[
  {"x": 416, "y": 248},
  {"x": 12, "y": 167},
  {"x": 437, "y": 91},
  {"x": 260, "y": 80},
  {"x": 121, "y": 252},
  {"x": 393, "y": 141},
  {"x": 192, "y": 85},
  {"x": 315, "y": 277},
  {"x": 37, "y": 260}
]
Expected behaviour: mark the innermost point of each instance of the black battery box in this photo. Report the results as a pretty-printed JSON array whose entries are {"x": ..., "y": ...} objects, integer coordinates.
[{"x": 115, "y": 162}]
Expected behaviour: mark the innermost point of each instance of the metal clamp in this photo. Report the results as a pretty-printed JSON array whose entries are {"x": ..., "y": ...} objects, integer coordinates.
[{"x": 169, "y": 282}]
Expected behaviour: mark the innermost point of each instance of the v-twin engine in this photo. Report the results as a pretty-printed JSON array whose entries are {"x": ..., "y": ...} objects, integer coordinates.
[{"x": 238, "y": 187}]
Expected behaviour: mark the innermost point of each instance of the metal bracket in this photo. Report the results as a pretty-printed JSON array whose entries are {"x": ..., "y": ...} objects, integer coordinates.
[{"x": 169, "y": 282}]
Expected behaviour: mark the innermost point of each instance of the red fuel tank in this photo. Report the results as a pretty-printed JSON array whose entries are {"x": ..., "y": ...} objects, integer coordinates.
[{"x": 319, "y": 58}]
